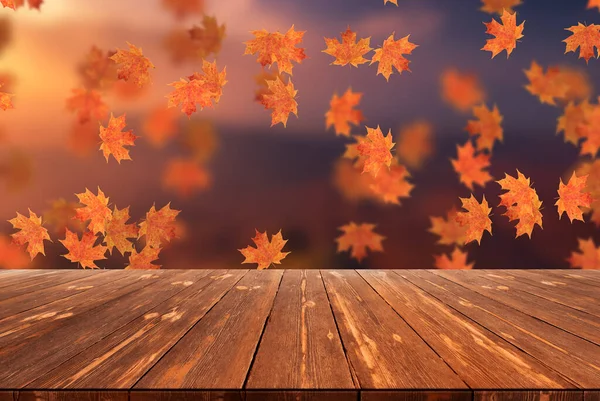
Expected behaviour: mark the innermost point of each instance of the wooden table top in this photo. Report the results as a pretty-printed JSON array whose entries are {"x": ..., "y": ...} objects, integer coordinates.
[{"x": 300, "y": 334}]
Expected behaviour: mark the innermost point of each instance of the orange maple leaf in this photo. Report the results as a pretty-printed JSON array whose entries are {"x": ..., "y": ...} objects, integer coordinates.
[
  {"x": 31, "y": 232},
  {"x": 180, "y": 46},
  {"x": 415, "y": 144},
  {"x": 572, "y": 118},
  {"x": 390, "y": 1},
  {"x": 97, "y": 70},
  {"x": 6, "y": 100},
  {"x": 200, "y": 139},
  {"x": 587, "y": 258},
  {"x": 461, "y": 90},
  {"x": 457, "y": 260},
  {"x": 593, "y": 3},
  {"x": 281, "y": 99},
  {"x": 476, "y": 219},
  {"x": 83, "y": 252},
  {"x": 11, "y": 255},
  {"x": 133, "y": 65},
  {"x": 592, "y": 170},
  {"x": 506, "y": 35},
  {"x": 572, "y": 197},
  {"x": 277, "y": 48},
  {"x": 348, "y": 51},
  {"x": 61, "y": 215},
  {"x": 96, "y": 210},
  {"x": 207, "y": 38},
  {"x": 547, "y": 86},
  {"x": 261, "y": 79},
  {"x": 577, "y": 82},
  {"x": 87, "y": 104},
  {"x": 266, "y": 252},
  {"x": 470, "y": 167},
  {"x": 390, "y": 184},
  {"x": 118, "y": 232},
  {"x": 114, "y": 139},
  {"x": 184, "y": 8},
  {"x": 449, "y": 230},
  {"x": 144, "y": 259},
  {"x": 391, "y": 55},
  {"x": 497, "y": 6},
  {"x": 199, "y": 88},
  {"x": 160, "y": 125},
  {"x": 351, "y": 183},
  {"x": 185, "y": 176},
  {"x": 376, "y": 150},
  {"x": 586, "y": 37},
  {"x": 9, "y": 4},
  {"x": 342, "y": 113},
  {"x": 83, "y": 138},
  {"x": 522, "y": 203},
  {"x": 589, "y": 130},
  {"x": 487, "y": 126},
  {"x": 359, "y": 237},
  {"x": 159, "y": 225}
]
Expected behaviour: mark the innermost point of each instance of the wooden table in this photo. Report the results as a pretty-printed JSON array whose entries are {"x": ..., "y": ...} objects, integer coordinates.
[{"x": 300, "y": 335}]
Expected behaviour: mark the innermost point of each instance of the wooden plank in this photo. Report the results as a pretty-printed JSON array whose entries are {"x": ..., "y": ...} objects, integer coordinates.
[
  {"x": 591, "y": 396},
  {"x": 71, "y": 396},
  {"x": 399, "y": 395},
  {"x": 592, "y": 280},
  {"x": 301, "y": 347},
  {"x": 38, "y": 282},
  {"x": 383, "y": 351},
  {"x": 479, "y": 357},
  {"x": 301, "y": 395},
  {"x": 528, "y": 396},
  {"x": 572, "y": 356},
  {"x": 31, "y": 358},
  {"x": 12, "y": 277},
  {"x": 217, "y": 352},
  {"x": 33, "y": 323},
  {"x": 123, "y": 357},
  {"x": 568, "y": 319},
  {"x": 185, "y": 395}
]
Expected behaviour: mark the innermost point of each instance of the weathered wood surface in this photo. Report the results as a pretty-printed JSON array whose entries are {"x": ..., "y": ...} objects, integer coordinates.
[{"x": 340, "y": 335}]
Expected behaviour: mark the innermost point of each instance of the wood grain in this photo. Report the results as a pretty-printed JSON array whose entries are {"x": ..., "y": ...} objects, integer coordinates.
[
  {"x": 384, "y": 395},
  {"x": 71, "y": 396},
  {"x": 528, "y": 396}
]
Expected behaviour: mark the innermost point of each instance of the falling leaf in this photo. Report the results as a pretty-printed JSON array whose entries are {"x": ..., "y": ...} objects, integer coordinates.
[
  {"x": 11, "y": 255},
  {"x": 572, "y": 118},
  {"x": 277, "y": 48},
  {"x": 199, "y": 88},
  {"x": 61, "y": 215},
  {"x": 390, "y": 184},
  {"x": 133, "y": 65},
  {"x": 476, "y": 219},
  {"x": 390, "y": 1},
  {"x": 30, "y": 232},
  {"x": 471, "y": 167},
  {"x": 281, "y": 99},
  {"x": 88, "y": 104},
  {"x": 342, "y": 113},
  {"x": 577, "y": 82},
  {"x": 144, "y": 259},
  {"x": 593, "y": 3},
  {"x": 506, "y": 34},
  {"x": 547, "y": 86},
  {"x": 185, "y": 176},
  {"x": 6, "y": 100},
  {"x": 184, "y": 8},
  {"x": 449, "y": 230},
  {"x": 487, "y": 126},
  {"x": 158, "y": 226},
  {"x": 457, "y": 260},
  {"x": 83, "y": 252},
  {"x": 16, "y": 170},
  {"x": 497, "y": 6},
  {"x": 376, "y": 149},
  {"x": 114, "y": 139},
  {"x": 118, "y": 232},
  {"x": 200, "y": 139},
  {"x": 95, "y": 211},
  {"x": 351, "y": 183},
  {"x": 261, "y": 79},
  {"x": 589, "y": 130},
  {"x": 586, "y": 37},
  {"x": 587, "y": 258},
  {"x": 572, "y": 197},
  {"x": 522, "y": 203},
  {"x": 592, "y": 170},
  {"x": 391, "y": 55},
  {"x": 461, "y": 90},
  {"x": 348, "y": 51},
  {"x": 97, "y": 70},
  {"x": 266, "y": 252},
  {"x": 208, "y": 37},
  {"x": 83, "y": 138},
  {"x": 415, "y": 144},
  {"x": 159, "y": 125},
  {"x": 359, "y": 238},
  {"x": 179, "y": 45}
]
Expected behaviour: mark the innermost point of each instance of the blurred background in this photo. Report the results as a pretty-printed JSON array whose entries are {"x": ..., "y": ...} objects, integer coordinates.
[{"x": 246, "y": 175}]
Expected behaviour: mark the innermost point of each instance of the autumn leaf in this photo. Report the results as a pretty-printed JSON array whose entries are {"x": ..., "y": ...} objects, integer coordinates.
[
  {"x": 573, "y": 117},
  {"x": 461, "y": 90},
  {"x": 342, "y": 113},
  {"x": 497, "y": 6},
  {"x": 16, "y": 170},
  {"x": 587, "y": 258},
  {"x": 97, "y": 70},
  {"x": 415, "y": 144},
  {"x": 158, "y": 226},
  {"x": 179, "y": 45},
  {"x": 261, "y": 80},
  {"x": 185, "y": 176},
  {"x": 476, "y": 218},
  {"x": 390, "y": 184},
  {"x": 83, "y": 138},
  {"x": 376, "y": 150},
  {"x": 547, "y": 86},
  {"x": 61, "y": 215},
  {"x": 348, "y": 51},
  {"x": 200, "y": 140},
  {"x": 449, "y": 229},
  {"x": 593, "y": 3},
  {"x": 589, "y": 130},
  {"x": 95, "y": 211},
  {"x": 353, "y": 185},
  {"x": 277, "y": 48},
  {"x": 6, "y": 100},
  {"x": 88, "y": 104},
  {"x": 144, "y": 259},
  {"x": 572, "y": 197},
  {"x": 208, "y": 37},
  {"x": 471, "y": 167},
  {"x": 281, "y": 99},
  {"x": 359, "y": 238},
  {"x": 114, "y": 139},
  {"x": 266, "y": 252},
  {"x": 487, "y": 126},
  {"x": 10, "y": 3},
  {"x": 11, "y": 255},
  {"x": 133, "y": 65},
  {"x": 184, "y": 8},
  {"x": 391, "y": 55},
  {"x": 199, "y": 88},
  {"x": 577, "y": 82},
  {"x": 30, "y": 232},
  {"x": 118, "y": 232},
  {"x": 83, "y": 252},
  {"x": 390, "y": 1},
  {"x": 159, "y": 125},
  {"x": 457, "y": 260},
  {"x": 522, "y": 203},
  {"x": 592, "y": 170},
  {"x": 506, "y": 34},
  {"x": 584, "y": 37}
]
